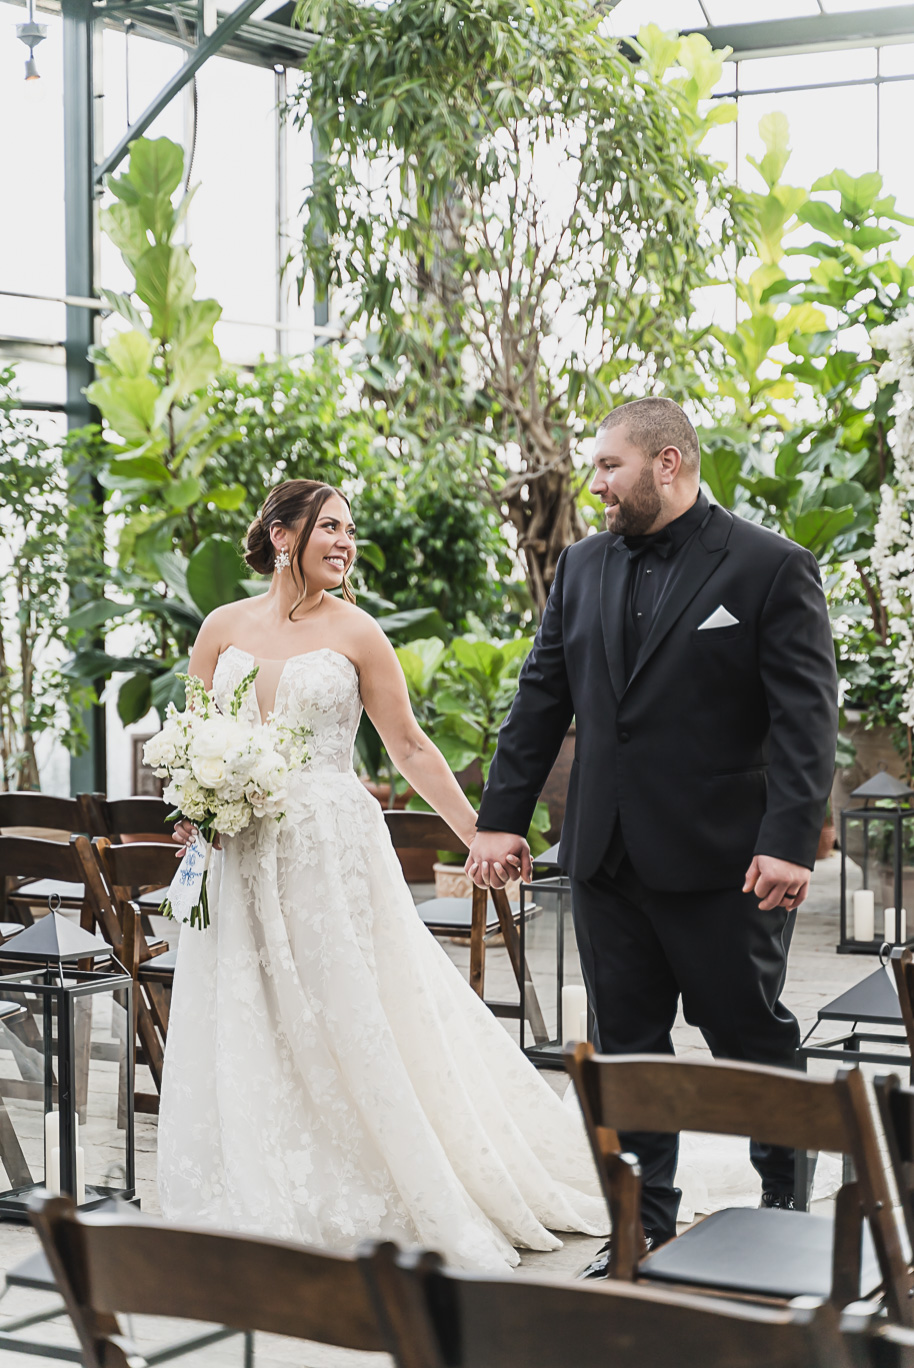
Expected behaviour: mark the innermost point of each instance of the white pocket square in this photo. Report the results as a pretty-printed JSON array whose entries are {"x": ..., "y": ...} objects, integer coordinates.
[{"x": 719, "y": 618}]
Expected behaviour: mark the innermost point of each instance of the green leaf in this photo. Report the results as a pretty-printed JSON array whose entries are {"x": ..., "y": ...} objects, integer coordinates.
[
  {"x": 131, "y": 352},
  {"x": 775, "y": 133},
  {"x": 90, "y": 615},
  {"x": 125, "y": 228},
  {"x": 182, "y": 493},
  {"x": 372, "y": 554},
  {"x": 134, "y": 699},
  {"x": 156, "y": 167},
  {"x": 720, "y": 468},
  {"x": 817, "y": 527},
  {"x": 228, "y": 497},
  {"x": 167, "y": 688},
  {"x": 128, "y": 406},
  {"x": 214, "y": 572},
  {"x": 172, "y": 566},
  {"x": 165, "y": 280}
]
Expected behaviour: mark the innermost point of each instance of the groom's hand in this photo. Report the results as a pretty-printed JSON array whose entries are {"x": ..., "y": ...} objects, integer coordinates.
[
  {"x": 777, "y": 883},
  {"x": 497, "y": 856}
]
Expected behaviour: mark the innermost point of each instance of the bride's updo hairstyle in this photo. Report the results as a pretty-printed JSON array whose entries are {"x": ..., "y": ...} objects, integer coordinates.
[{"x": 295, "y": 505}]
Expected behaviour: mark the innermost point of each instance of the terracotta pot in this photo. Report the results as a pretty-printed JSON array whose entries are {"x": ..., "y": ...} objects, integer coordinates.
[
  {"x": 826, "y": 841},
  {"x": 417, "y": 865}
]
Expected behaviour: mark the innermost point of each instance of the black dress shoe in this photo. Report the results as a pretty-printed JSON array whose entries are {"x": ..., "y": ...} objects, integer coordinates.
[
  {"x": 599, "y": 1264},
  {"x": 778, "y": 1201}
]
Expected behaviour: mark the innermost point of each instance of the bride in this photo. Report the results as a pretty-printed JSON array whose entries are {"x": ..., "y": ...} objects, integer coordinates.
[{"x": 330, "y": 1076}]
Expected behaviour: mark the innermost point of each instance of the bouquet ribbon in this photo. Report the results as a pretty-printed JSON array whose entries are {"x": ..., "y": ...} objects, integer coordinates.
[{"x": 187, "y": 898}]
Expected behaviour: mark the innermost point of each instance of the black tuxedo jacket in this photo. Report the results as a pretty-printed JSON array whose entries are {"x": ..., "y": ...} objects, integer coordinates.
[{"x": 721, "y": 744}]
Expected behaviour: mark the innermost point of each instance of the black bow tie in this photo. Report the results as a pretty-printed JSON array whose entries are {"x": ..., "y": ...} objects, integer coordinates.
[{"x": 661, "y": 542}]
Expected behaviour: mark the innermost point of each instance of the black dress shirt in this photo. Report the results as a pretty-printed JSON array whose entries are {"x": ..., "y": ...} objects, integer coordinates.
[{"x": 653, "y": 568}]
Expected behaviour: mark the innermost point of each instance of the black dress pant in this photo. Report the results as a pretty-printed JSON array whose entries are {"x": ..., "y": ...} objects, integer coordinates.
[{"x": 640, "y": 951}]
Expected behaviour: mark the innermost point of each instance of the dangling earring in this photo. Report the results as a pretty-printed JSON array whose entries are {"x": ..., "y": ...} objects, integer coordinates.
[{"x": 282, "y": 559}]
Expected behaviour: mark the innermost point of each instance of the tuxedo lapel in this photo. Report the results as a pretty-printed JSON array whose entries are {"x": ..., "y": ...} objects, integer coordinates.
[
  {"x": 701, "y": 558},
  {"x": 613, "y": 592}
]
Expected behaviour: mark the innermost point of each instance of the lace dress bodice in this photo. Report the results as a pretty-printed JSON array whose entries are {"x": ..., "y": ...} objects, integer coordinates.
[{"x": 319, "y": 690}]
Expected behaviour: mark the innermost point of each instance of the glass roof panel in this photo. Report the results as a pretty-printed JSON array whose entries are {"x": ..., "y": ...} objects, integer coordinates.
[
  {"x": 807, "y": 68},
  {"x": 750, "y": 11},
  {"x": 841, "y": 6},
  {"x": 896, "y": 59},
  {"x": 628, "y": 16}
]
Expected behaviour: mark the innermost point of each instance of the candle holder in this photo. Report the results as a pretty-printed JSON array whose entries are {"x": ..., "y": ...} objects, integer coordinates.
[
  {"x": 546, "y": 931},
  {"x": 66, "y": 1068},
  {"x": 877, "y": 835}
]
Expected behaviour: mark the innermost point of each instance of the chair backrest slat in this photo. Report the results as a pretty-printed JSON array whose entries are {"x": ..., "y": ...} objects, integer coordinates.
[
  {"x": 421, "y": 831},
  {"x": 463, "y": 1321},
  {"x": 112, "y": 1264},
  {"x": 31, "y": 857},
  {"x": 140, "y": 864},
  {"x": 774, "y": 1106},
  {"x": 41, "y": 811},
  {"x": 137, "y": 816}
]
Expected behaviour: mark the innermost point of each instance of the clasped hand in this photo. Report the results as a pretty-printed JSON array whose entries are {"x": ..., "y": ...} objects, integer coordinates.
[
  {"x": 497, "y": 856},
  {"x": 185, "y": 833}
]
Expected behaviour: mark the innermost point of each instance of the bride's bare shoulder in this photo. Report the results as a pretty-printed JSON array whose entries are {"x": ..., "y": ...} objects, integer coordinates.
[
  {"x": 357, "y": 628},
  {"x": 221, "y": 627}
]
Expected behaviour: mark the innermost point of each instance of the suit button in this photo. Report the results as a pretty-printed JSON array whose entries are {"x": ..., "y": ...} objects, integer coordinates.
[{"x": 625, "y": 735}]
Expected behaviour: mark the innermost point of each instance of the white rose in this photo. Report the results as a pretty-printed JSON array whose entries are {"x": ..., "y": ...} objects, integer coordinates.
[
  {"x": 211, "y": 738},
  {"x": 208, "y": 770}
]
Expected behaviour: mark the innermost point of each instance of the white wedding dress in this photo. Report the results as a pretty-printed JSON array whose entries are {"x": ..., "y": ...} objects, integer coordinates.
[{"x": 330, "y": 1076}]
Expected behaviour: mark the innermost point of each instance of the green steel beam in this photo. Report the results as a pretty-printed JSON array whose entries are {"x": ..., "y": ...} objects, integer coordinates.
[
  {"x": 208, "y": 48},
  {"x": 87, "y": 771},
  {"x": 816, "y": 30}
]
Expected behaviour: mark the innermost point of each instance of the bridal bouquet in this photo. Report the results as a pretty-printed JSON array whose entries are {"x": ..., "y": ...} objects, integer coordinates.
[{"x": 223, "y": 771}]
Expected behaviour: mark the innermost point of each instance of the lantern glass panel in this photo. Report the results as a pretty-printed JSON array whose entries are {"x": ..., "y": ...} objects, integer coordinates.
[
  {"x": 552, "y": 965},
  {"x": 66, "y": 1081}
]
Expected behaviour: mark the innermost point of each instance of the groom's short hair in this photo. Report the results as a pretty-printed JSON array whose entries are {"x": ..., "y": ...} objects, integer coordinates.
[{"x": 652, "y": 424}]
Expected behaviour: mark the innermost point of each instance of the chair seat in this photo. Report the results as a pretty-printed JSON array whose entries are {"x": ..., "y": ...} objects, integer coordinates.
[
  {"x": 455, "y": 915},
  {"x": 10, "y": 1009},
  {"x": 761, "y": 1253},
  {"x": 8, "y": 929},
  {"x": 159, "y": 964},
  {"x": 37, "y": 890},
  {"x": 873, "y": 1000},
  {"x": 152, "y": 899}
]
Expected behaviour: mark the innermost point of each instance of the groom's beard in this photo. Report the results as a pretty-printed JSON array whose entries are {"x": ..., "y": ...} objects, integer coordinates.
[{"x": 634, "y": 515}]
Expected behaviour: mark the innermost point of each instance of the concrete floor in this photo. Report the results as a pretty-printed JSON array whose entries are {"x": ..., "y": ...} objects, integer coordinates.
[{"x": 816, "y": 974}]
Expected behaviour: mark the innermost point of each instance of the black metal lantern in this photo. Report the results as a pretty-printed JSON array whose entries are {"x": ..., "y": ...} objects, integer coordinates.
[
  {"x": 551, "y": 965},
  {"x": 878, "y": 836},
  {"x": 66, "y": 1068}
]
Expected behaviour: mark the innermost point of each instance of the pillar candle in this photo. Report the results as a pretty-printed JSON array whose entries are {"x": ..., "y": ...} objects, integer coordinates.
[
  {"x": 890, "y": 925},
  {"x": 582, "y": 1027},
  {"x": 574, "y": 1006},
  {"x": 52, "y": 1152},
  {"x": 864, "y": 915}
]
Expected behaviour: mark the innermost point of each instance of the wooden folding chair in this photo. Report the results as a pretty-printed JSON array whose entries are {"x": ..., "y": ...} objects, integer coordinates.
[
  {"x": 111, "y": 1264},
  {"x": 436, "y": 1318},
  {"x": 469, "y": 918},
  {"x": 750, "y": 1253},
  {"x": 38, "y": 816},
  {"x": 112, "y": 873}
]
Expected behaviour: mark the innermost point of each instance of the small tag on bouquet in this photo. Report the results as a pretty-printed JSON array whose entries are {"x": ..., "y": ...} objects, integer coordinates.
[{"x": 187, "y": 900}]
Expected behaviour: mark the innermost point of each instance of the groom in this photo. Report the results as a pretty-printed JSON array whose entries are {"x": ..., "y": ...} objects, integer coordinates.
[{"x": 693, "y": 650}]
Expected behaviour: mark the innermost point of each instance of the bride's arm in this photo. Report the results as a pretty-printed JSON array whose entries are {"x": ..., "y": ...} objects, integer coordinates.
[{"x": 386, "y": 699}]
